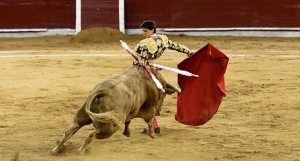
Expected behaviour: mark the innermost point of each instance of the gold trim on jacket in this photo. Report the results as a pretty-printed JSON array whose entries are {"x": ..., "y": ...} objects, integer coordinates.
[{"x": 153, "y": 47}]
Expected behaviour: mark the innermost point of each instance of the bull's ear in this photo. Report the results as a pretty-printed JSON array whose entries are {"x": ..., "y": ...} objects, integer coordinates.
[{"x": 170, "y": 89}]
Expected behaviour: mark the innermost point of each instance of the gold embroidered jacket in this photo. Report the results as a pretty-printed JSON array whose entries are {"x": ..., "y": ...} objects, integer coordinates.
[{"x": 153, "y": 47}]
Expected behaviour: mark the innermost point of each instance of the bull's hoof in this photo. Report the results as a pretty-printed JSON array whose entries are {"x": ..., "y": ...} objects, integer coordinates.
[
  {"x": 126, "y": 133},
  {"x": 81, "y": 151},
  {"x": 54, "y": 152},
  {"x": 151, "y": 136},
  {"x": 58, "y": 150}
]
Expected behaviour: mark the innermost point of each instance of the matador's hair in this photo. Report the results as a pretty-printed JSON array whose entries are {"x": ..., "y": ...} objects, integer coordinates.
[{"x": 149, "y": 24}]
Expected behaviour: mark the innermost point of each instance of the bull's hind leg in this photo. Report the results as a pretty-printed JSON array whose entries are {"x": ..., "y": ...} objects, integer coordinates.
[
  {"x": 81, "y": 119},
  {"x": 67, "y": 135},
  {"x": 88, "y": 140}
]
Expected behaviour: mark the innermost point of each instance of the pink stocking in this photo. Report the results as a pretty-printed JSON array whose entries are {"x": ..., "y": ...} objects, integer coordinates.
[{"x": 155, "y": 125}]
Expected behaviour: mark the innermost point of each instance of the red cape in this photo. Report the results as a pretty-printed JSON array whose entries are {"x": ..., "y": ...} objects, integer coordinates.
[{"x": 201, "y": 97}]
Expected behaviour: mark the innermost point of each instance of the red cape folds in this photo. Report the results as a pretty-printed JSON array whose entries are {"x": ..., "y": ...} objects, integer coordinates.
[{"x": 201, "y": 97}]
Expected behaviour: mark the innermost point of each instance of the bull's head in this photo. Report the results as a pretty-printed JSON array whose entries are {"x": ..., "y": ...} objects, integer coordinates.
[{"x": 169, "y": 89}]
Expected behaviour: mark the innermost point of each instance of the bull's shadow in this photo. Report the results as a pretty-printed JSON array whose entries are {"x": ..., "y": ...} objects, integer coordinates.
[{"x": 115, "y": 101}]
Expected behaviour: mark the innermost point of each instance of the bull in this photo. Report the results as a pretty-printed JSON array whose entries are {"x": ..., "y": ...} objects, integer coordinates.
[{"x": 115, "y": 101}]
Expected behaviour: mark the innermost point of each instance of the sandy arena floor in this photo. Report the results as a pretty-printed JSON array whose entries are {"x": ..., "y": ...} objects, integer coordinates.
[{"x": 44, "y": 80}]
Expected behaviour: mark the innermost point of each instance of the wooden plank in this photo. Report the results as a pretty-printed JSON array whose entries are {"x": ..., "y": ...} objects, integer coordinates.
[
  {"x": 213, "y": 13},
  {"x": 37, "y": 14},
  {"x": 100, "y": 13}
]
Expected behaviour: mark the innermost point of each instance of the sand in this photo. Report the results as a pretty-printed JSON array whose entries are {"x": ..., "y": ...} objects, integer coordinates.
[{"x": 44, "y": 80}]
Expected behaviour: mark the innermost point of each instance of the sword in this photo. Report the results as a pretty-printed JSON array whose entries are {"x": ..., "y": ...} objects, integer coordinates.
[{"x": 182, "y": 72}]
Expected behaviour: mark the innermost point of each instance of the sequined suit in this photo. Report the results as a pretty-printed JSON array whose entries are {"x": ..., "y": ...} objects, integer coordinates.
[{"x": 153, "y": 47}]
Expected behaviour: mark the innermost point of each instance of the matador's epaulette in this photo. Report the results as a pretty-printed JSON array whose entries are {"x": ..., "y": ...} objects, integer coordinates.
[{"x": 150, "y": 44}]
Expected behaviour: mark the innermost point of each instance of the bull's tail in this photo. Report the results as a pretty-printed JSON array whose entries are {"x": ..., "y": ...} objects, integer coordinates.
[{"x": 106, "y": 117}]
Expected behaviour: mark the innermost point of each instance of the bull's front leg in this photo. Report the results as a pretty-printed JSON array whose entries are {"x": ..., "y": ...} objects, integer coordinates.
[
  {"x": 67, "y": 135},
  {"x": 150, "y": 128},
  {"x": 126, "y": 131}
]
